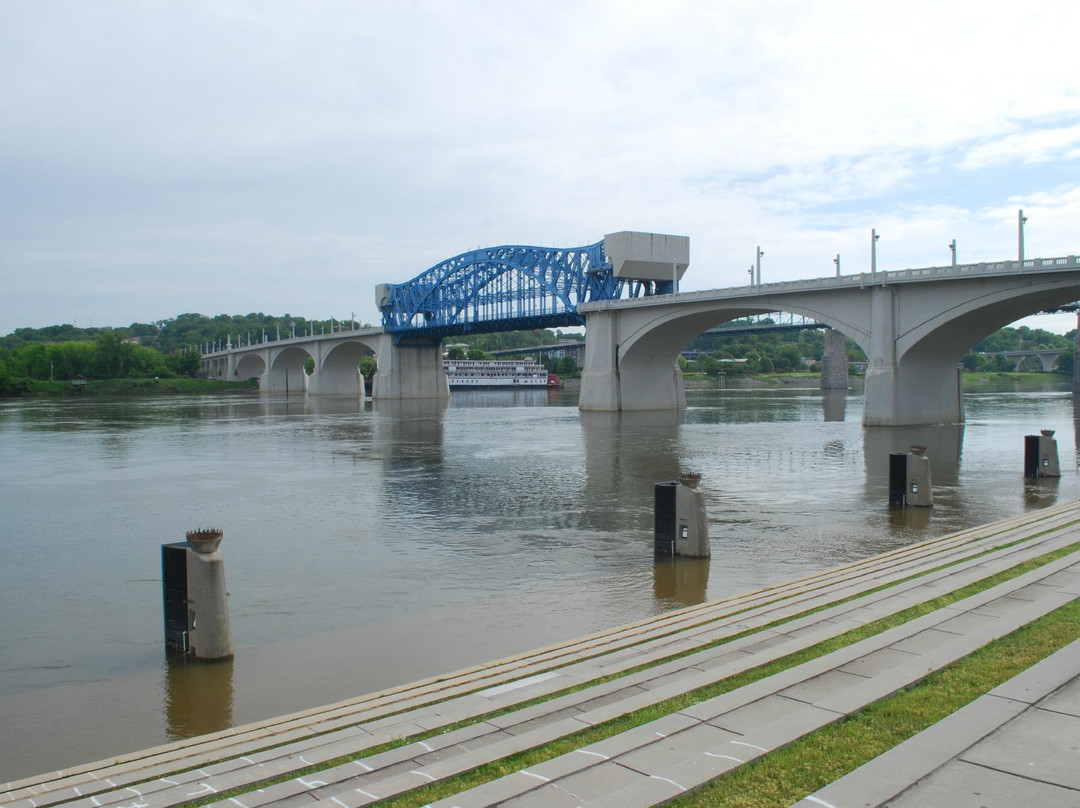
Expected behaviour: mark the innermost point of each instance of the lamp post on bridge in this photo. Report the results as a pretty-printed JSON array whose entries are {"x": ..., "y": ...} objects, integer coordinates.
[
  {"x": 952, "y": 249},
  {"x": 874, "y": 236},
  {"x": 837, "y": 262},
  {"x": 1021, "y": 218},
  {"x": 760, "y": 253},
  {"x": 751, "y": 271}
]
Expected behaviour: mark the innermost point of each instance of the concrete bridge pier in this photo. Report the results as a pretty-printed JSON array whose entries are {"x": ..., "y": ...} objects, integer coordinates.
[
  {"x": 1076, "y": 357},
  {"x": 834, "y": 363},
  {"x": 611, "y": 381},
  {"x": 920, "y": 393},
  {"x": 409, "y": 370},
  {"x": 907, "y": 384}
]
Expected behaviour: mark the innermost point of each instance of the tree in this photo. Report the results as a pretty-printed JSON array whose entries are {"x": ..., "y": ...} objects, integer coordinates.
[
  {"x": 567, "y": 366},
  {"x": 456, "y": 353},
  {"x": 113, "y": 354}
]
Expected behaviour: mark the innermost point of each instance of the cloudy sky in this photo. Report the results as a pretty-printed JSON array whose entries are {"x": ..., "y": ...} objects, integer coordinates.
[{"x": 167, "y": 156}]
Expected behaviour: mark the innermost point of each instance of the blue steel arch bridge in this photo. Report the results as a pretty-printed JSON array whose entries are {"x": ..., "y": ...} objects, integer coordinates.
[{"x": 508, "y": 288}]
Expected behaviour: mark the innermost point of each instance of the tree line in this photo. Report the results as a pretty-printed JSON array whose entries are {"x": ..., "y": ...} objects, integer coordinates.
[
  {"x": 787, "y": 351},
  {"x": 171, "y": 348}
]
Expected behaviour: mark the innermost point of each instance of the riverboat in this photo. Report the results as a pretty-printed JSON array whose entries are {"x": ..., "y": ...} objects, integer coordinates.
[{"x": 512, "y": 373}]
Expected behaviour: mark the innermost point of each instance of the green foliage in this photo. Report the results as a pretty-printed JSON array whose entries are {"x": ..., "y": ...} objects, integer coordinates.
[
  {"x": 515, "y": 339},
  {"x": 567, "y": 366},
  {"x": 477, "y": 354},
  {"x": 456, "y": 353}
]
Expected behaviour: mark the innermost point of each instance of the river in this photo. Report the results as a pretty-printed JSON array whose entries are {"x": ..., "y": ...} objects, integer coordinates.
[{"x": 367, "y": 545}]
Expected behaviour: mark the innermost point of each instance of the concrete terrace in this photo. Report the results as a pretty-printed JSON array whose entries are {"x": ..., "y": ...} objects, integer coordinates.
[{"x": 1015, "y": 743}]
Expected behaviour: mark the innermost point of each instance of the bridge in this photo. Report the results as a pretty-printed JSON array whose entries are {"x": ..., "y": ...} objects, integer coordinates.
[
  {"x": 914, "y": 324},
  {"x": 1047, "y": 357}
]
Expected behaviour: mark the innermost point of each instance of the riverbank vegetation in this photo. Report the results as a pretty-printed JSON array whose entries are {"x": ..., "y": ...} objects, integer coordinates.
[{"x": 58, "y": 359}]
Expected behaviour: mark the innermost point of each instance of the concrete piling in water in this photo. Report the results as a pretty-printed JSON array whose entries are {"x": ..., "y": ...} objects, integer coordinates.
[
  {"x": 1041, "y": 455},
  {"x": 909, "y": 479},
  {"x": 195, "y": 599},
  {"x": 681, "y": 526}
]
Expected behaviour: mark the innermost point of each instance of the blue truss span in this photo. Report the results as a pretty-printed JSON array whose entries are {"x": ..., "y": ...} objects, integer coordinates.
[{"x": 505, "y": 289}]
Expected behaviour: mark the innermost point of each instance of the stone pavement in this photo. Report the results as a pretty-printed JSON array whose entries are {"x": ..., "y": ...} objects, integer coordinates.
[
  {"x": 1017, "y": 745},
  {"x": 446, "y": 726}
]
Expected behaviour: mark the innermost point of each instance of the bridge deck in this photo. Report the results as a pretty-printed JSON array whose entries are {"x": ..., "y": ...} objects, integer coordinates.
[{"x": 408, "y": 737}]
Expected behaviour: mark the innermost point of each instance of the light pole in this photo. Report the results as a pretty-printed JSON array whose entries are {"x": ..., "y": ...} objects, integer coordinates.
[
  {"x": 952, "y": 249},
  {"x": 751, "y": 271},
  {"x": 837, "y": 262},
  {"x": 873, "y": 250},
  {"x": 760, "y": 253},
  {"x": 1021, "y": 218}
]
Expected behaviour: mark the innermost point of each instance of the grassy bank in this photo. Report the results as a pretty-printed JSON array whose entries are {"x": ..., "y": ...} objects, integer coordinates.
[
  {"x": 1020, "y": 380},
  {"x": 1024, "y": 379},
  {"x": 132, "y": 387}
]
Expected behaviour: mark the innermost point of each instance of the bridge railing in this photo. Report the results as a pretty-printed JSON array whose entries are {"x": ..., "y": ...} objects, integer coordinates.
[{"x": 862, "y": 280}]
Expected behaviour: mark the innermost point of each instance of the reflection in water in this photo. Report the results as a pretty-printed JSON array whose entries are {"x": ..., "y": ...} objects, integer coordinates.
[
  {"x": 834, "y": 403},
  {"x": 198, "y": 697},
  {"x": 626, "y": 453},
  {"x": 943, "y": 447},
  {"x": 910, "y": 520},
  {"x": 1041, "y": 492},
  {"x": 680, "y": 581}
]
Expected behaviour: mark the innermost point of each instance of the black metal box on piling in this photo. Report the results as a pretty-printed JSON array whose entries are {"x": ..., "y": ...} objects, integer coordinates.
[
  {"x": 665, "y": 518},
  {"x": 174, "y": 587},
  {"x": 897, "y": 479},
  {"x": 1031, "y": 455}
]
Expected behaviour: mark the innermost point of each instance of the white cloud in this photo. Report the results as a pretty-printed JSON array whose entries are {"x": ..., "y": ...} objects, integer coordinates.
[
  {"x": 1040, "y": 146},
  {"x": 279, "y": 156}
]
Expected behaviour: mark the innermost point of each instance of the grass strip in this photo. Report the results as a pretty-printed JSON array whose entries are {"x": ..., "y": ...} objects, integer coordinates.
[
  {"x": 499, "y": 768},
  {"x": 790, "y": 774}
]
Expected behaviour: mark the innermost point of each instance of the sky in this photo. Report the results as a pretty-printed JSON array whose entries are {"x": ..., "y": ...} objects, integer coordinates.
[{"x": 160, "y": 157}]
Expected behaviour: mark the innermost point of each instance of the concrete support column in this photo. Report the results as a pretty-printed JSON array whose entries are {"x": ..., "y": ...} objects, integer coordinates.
[
  {"x": 1076, "y": 357},
  {"x": 614, "y": 378},
  {"x": 600, "y": 371},
  {"x": 409, "y": 371},
  {"x": 834, "y": 364},
  {"x": 880, "y": 405},
  {"x": 920, "y": 387}
]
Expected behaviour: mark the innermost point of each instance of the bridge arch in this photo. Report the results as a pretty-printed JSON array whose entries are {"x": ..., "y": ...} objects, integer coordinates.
[
  {"x": 914, "y": 326},
  {"x": 506, "y": 288},
  {"x": 646, "y": 349},
  {"x": 250, "y": 365},
  {"x": 338, "y": 370},
  {"x": 287, "y": 373}
]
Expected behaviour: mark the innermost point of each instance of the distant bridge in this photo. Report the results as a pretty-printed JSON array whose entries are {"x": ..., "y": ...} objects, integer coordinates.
[
  {"x": 914, "y": 325},
  {"x": 1047, "y": 357}
]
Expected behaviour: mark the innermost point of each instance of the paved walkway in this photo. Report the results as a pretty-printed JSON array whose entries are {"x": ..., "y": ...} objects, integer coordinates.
[
  {"x": 442, "y": 727},
  {"x": 1017, "y": 745}
]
